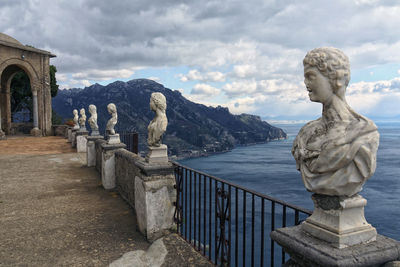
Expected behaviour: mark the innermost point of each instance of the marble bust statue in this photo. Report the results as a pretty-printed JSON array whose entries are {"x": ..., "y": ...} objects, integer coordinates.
[
  {"x": 156, "y": 128},
  {"x": 93, "y": 120},
  {"x": 76, "y": 118},
  {"x": 112, "y": 109},
  {"x": 82, "y": 119},
  {"x": 336, "y": 153}
]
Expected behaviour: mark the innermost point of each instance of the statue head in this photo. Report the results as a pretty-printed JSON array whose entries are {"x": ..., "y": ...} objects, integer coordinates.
[
  {"x": 92, "y": 109},
  {"x": 82, "y": 111},
  {"x": 75, "y": 112},
  {"x": 158, "y": 101},
  {"x": 331, "y": 63},
  {"x": 111, "y": 108}
]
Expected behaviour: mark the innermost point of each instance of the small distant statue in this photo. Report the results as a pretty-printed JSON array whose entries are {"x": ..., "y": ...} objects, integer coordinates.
[
  {"x": 158, "y": 125},
  {"x": 93, "y": 120},
  {"x": 82, "y": 120},
  {"x": 76, "y": 119},
  {"x": 336, "y": 153},
  {"x": 112, "y": 109}
]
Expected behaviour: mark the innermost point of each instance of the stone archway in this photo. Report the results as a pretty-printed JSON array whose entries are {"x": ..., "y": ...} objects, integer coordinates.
[{"x": 15, "y": 57}]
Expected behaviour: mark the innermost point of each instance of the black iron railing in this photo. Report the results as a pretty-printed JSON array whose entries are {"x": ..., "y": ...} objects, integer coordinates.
[
  {"x": 131, "y": 140},
  {"x": 230, "y": 224}
]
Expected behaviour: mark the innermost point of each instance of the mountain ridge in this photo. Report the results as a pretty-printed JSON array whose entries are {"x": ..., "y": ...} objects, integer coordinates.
[{"x": 191, "y": 127}]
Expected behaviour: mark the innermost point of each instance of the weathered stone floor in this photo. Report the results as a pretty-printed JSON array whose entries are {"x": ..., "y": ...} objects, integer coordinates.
[
  {"x": 54, "y": 211},
  {"x": 27, "y": 145}
]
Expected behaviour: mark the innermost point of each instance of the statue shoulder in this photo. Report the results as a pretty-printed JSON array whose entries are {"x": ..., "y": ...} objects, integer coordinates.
[{"x": 310, "y": 126}]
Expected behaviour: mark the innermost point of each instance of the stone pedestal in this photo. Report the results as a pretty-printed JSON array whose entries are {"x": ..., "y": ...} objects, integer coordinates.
[
  {"x": 306, "y": 250},
  {"x": 339, "y": 221},
  {"x": 83, "y": 129},
  {"x": 113, "y": 139},
  {"x": 91, "y": 150},
  {"x": 108, "y": 164},
  {"x": 36, "y": 132},
  {"x": 81, "y": 141},
  {"x": 95, "y": 133},
  {"x": 157, "y": 154},
  {"x": 73, "y": 137},
  {"x": 69, "y": 134},
  {"x": 155, "y": 195}
]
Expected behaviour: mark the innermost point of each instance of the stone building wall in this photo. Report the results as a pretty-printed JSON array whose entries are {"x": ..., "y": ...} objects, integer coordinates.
[{"x": 35, "y": 63}]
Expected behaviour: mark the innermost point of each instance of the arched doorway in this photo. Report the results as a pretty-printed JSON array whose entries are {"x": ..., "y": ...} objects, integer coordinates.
[
  {"x": 16, "y": 58},
  {"x": 17, "y": 103}
]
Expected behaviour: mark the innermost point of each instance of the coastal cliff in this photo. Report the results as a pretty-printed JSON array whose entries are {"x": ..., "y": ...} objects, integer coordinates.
[{"x": 193, "y": 129}]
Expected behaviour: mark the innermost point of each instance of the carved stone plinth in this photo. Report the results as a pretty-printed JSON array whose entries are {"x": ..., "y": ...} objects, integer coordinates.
[
  {"x": 83, "y": 129},
  {"x": 36, "y": 132},
  {"x": 73, "y": 137},
  {"x": 69, "y": 134},
  {"x": 91, "y": 150},
  {"x": 81, "y": 141},
  {"x": 95, "y": 133},
  {"x": 339, "y": 221},
  {"x": 108, "y": 164},
  {"x": 157, "y": 154},
  {"x": 113, "y": 139},
  {"x": 154, "y": 198},
  {"x": 306, "y": 250}
]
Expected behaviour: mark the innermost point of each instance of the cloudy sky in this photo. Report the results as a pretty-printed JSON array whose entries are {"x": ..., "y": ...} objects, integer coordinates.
[{"x": 246, "y": 55}]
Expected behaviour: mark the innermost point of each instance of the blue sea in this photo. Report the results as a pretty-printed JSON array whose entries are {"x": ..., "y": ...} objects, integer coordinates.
[{"x": 270, "y": 169}]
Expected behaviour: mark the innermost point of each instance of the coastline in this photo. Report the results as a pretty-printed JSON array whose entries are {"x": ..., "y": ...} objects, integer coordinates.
[{"x": 211, "y": 153}]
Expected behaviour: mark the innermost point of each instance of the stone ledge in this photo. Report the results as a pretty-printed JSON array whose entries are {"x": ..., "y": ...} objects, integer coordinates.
[
  {"x": 82, "y": 132},
  {"x": 106, "y": 146},
  {"x": 150, "y": 169},
  {"x": 94, "y": 137},
  {"x": 309, "y": 251}
]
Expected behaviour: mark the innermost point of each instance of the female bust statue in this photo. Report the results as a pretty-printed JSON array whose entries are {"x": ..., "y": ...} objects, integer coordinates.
[
  {"x": 158, "y": 125},
  {"x": 93, "y": 118},
  {"x": 82, "y": 119},
  {"x": 76, "y": 118},
  {"x": 112, "y": 109},
  {"x": 336, "y": 153}
]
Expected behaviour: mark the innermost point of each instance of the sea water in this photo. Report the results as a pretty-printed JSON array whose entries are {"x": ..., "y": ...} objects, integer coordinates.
[{"x": 270, "y": 169}]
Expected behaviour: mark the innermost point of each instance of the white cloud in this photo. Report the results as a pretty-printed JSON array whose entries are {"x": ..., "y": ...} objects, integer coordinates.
[
  {"x": 61, "y": 77},
  {"x": 244, "y": 71},
  {"x": 180, "y": 90},
  {"x": 204, "y": 90},
  {"x": 258, "y": 56},
  {"x": 103, "y": 75},
  {"x": 380, "y": 87},
  {"x": 79, "y": 83},
  {"x": 240, "y": 88},
  {"x": 156, "y": 79},
  {"x": 195, "y": 75}
]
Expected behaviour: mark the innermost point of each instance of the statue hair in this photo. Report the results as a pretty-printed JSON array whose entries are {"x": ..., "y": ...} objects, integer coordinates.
[
  {"x": 333, "y": 64},
  {"x": 159, "y": 100},
  {"x": 92, "y": 108},
  {"x": 112, "y": 107}
]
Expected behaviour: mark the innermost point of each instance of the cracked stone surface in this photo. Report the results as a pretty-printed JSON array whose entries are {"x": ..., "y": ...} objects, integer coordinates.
[{"x": 54, "y": 211}]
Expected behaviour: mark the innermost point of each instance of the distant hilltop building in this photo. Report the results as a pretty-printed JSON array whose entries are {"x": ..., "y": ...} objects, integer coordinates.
[{"x": 16, "y": 57}]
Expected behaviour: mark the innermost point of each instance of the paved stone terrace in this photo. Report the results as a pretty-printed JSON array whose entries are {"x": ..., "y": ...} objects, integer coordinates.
[{"x": 54, "y": 211}]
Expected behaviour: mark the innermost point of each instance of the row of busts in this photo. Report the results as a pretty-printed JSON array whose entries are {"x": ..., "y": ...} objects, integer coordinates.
[{"x": 156, "y": 128}]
